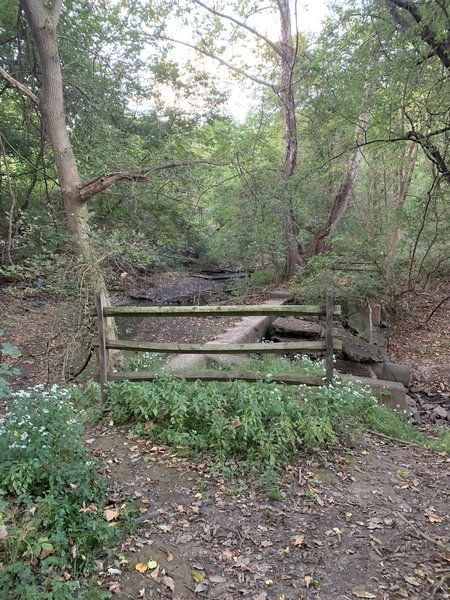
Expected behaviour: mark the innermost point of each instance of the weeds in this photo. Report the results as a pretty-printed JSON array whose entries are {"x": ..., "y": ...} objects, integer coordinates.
[
  {"x": 258, "y": 427},
  {"x": 51, "y": 500}
]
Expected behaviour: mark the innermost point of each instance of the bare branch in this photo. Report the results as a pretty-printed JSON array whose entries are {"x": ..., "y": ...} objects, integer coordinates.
[
  {"x": 223, "y": 62},
  {"x": 103, "y": 182},
  {"x": 187, "y": 163},
  {"x": 241, "y": 24},
  {"x": 22, "y": 88}
]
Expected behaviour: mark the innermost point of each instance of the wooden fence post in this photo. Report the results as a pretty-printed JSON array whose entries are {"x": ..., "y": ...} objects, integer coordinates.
[
  {"x": 329, "y": 336},
  {"x": 103, "y": 352}
]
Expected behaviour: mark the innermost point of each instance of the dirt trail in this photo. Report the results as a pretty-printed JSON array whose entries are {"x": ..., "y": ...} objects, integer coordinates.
[{"x": 373, "y": 524}]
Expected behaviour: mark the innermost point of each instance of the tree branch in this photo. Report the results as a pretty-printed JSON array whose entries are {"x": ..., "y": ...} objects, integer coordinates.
[
  {"x": 241, "y": 24},
  {"x": 441, "y": 46},
  {"x": 223, "y": 62},
  {"x": 55, "y": 11},
  {"x": 22, "y": 88},
  {"x": 103, "y": 182},
  {"x": 188, "y": 163}
]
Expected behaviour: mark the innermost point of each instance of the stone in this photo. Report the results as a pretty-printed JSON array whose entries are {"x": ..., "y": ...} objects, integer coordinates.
[
  {"x": 300, "y": 327},
  {"x": 393, "y": 372},
  {"x": 354, "y": 348},
  {"x": 441, "y": 413}
]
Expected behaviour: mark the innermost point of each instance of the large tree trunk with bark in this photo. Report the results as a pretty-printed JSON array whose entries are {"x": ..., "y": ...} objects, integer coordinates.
[
  {"x": 75, "y": 194},
  {"x": 43, "y": 23}
]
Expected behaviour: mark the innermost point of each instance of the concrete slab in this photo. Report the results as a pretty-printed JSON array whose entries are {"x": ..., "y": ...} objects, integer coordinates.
[
  {"x": 390, "y": 393},
  {"x": 248, "y": 330}
]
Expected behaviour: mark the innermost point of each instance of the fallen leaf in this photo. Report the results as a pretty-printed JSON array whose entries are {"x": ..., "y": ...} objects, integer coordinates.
[
  {"x": 412, "y": 581},
  {"x": 266, "y": 543},
  {"x": 111, "y": 514},
  {"x": 152, "y": 564},
  {"x": 169, "y": 557},
  {"x": 113, "y": 571},
  {"x": 363, "y": 594},
  {"x": 200, "y": 587},
  {"x": 142, "y": 593},
  {"x": 217, "y": 579},
  {"x": 114, "y": 587},
  {"x": 374, "y": 524},
  {"x": 435, "y": 519},
  {"x": 269, "y": 582},
  {"x": 308, "y": 580},
  {"x": 420, "y": 572},
  {"x": 168, "y": 582},
  {"x": 3, "y": 532},
  {"x": 227, "y": 553},
  {"x": 154, "y": 574},
  {"x": 141, "y": 567},
  {"x": 197, "y": 576},
  {"x": 298, "y": 541}
]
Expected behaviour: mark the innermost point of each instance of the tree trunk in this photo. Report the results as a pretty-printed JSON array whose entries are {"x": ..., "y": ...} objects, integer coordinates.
[
  {"x": 288, "y": 57},
  {"x": 394, "y": 236},
  {"x": 339, "y": 206},
  {"x": 43, "y": 23}
]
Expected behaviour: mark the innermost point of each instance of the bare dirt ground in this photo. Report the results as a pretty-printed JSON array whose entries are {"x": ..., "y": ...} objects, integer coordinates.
[
  {"x": 371, "y": 522},
  {"x": 420, "y": 336}
]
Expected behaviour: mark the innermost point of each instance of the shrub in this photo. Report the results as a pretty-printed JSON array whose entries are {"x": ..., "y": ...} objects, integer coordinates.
[
  {"x": 261, "y": 425},
  {"x": 51, "y": 499}
]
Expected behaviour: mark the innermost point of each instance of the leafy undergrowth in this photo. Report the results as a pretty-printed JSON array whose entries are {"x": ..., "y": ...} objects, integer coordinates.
[
  {"x": 52, "y": 520},
  {"x": 259, "y": 426},
  {"x": 298, "y": 364}
]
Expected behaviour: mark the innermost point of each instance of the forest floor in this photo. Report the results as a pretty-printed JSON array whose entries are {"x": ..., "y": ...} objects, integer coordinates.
[{"x": 369, "y": 522}]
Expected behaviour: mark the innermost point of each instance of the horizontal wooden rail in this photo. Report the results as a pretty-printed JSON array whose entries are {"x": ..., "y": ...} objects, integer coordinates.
[
  {"x": 300, "y": 310},
  {"x": 213, "y": 348},
  {"x": 220, "y": 376},
  {"x": 325, "y": 346}
]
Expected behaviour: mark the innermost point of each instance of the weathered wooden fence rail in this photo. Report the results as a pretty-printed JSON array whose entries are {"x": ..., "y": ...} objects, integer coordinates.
[{"x": 325, "y": 346}]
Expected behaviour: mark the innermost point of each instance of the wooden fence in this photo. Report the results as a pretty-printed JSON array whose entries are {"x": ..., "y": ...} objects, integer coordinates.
[{"x": 326, "y": 346}]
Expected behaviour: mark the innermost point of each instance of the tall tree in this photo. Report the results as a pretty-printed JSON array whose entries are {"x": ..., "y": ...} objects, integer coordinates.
[{"x": 43, "y": 21}]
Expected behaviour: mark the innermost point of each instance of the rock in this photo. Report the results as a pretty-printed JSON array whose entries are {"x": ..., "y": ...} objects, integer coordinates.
[
  {"x": 440, "y": 413},
  {"x": 354, "y": 348},
  {"x": 280, "y": 294},
  {"x": 298, "y": 327},
  {"x": 393, "y": 372}
]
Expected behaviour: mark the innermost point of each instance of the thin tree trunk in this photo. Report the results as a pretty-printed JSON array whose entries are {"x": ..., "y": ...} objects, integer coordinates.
[
  {"x": 6, "y": 258},
  {"x": 394, "y": 237},
  {"x": 287, "y": 97},
  {"x": 339, "y": 206}
]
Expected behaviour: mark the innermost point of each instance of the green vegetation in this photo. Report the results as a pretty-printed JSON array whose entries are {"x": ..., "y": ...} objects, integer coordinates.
[
  {"x": 51, "y": 500},
  {"x": 260, "y": 426},
  {"x": 6, "y": 371}
]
